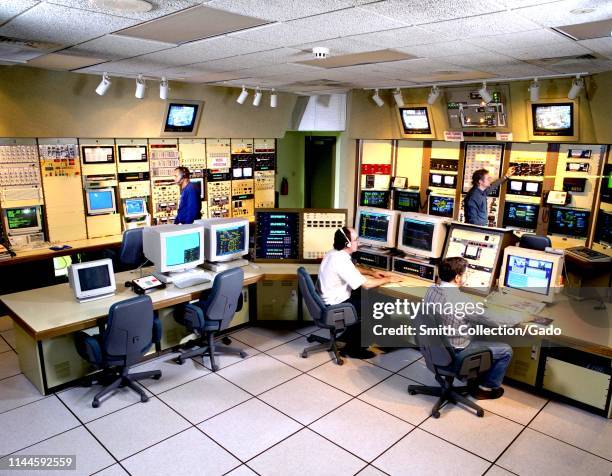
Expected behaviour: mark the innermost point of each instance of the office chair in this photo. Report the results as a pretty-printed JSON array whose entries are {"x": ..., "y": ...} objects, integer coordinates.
[
  {"x": 130, "y": 331},
  {"x": 446, "y": 364},
  {"x": 213, "y": 313},
  {"x": 335, "y": 318},
  {"x": 534, "y": 242},
  {"x": 130, "y": 254}
]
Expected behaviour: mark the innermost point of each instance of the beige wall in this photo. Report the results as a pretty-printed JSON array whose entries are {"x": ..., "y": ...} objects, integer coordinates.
[{"x": 41, "y": 103}]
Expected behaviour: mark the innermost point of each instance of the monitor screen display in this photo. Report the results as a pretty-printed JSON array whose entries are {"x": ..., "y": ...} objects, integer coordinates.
[
  {"x": 18, "y": 218},
  {"x": 100, "y": 200},
  {"x": 450, "y": 180},
  {"x": 230, "y": 240},
  {"x": 406, "y": 201},
  {"x": 182, "y": 249},
  {"x": 373, "y": 226},
  {"x": 132, "y": 153},
  {"x": 95, "y": 277},
  {"x": 415, "y": 120},
  {"x": 532, "y": 187},
  {"x": 98, "y": 154},
  {"x": 516, "y": 186},
  {"x": 135, "y": 206},
  {"x": 417, "y": 234},
  {"x": 521, "y": 215},
  {"x": 435, "y": 179},
  {"x": 553, "y": 119},
  {"x": 181, "y": 117},
  {"x": 374, "y": 198},
  {"x": 528, "y": 274},
  {"x": 603, "y": 231},
  {"x": 568, "y": 221},
  {"x": 441, "y": 206}
]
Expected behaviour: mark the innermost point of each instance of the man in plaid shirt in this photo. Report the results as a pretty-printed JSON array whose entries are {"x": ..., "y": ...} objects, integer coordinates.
[{"x": 452, "y": 273}]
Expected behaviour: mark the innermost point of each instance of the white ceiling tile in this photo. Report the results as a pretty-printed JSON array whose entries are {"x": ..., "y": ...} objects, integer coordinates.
[
  {"x": 602, "y": 46},
  {"x": 160, "y": 8},
  {"x": 513, "y": 4},
  {"x": 351, "y": 21},
  {"x": 445, "y": 48},
  {"x": 474, "y": 27},
  {"x": 284, "y": 69},
  {"x": 341, "y": 46},
  {"x": 421, "y": 65},
  {"x": 400, "y": 37},
  {"x": 130, "y": 67},
  {"x": 548, "y": 51},
  {"x": 63, "y": 62},
  {"x": 417, "y": 12},
  {"x": 479, "y": 59},
  {"x": 280, "y": 10},
  {"x": 517, "y": 70},
  {"x": 578, "y": 66},
  {"x": 54, "y": 23},
  {"x": 280, "y": 34},
  {"x": 117, "y": 47},
  {"x": 277, "y": 56},
  {"x": 521, "y": 39},
  {"x": 10, "y": 9},
  {"x": 559, "y": 13}
]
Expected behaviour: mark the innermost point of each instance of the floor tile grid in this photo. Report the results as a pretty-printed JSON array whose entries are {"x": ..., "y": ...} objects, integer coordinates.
[{"x": 7, "y": 343}]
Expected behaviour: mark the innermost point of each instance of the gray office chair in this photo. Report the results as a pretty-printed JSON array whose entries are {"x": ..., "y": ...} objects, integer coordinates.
[
  {"x": 130, "y": 331},
  {"x": 130, "y": 254},
  {"x": 446, "y": 364},
  {"x": 534, "y": 242},
  {"x": 334, "y": 318},
  {"x": 213, "y": 313}
]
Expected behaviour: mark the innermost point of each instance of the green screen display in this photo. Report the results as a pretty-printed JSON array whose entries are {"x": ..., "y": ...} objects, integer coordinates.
[{"x": 18, "y": 218}]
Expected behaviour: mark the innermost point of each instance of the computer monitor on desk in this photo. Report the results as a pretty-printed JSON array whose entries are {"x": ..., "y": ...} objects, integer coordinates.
[
  {"x": 226, "y": 242},
  {"x": 422, "y": 235},
  {"x": 531, "y": 274},
  {"x": 377, "y": 227},
  {"x": 92, "y": 280},
  {"x": 173, "y": 249}
]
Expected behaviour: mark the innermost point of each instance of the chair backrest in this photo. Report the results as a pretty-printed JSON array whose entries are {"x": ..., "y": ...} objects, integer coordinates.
[
  {"x": 129, "y": 331},
  {"x": 222, "y": 302},
  {"x": 311, "y": 297},
  {"x": 534, "y": 242},
  {"x": 131, "y": 252},
  {"x": 436, "y": 349}
]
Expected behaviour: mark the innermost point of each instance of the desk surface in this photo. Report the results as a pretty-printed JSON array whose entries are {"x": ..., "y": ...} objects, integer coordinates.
[
  {"x": 51, "y": 311},
  {"x": 75, "y": 247}
]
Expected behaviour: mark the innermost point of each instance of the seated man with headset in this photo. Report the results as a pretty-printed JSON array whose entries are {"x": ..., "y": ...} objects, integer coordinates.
[{"x": 340, "y": 281}]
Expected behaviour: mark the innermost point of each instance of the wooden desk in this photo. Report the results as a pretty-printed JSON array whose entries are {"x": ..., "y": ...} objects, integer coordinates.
[{"x": 76, "y": 247}]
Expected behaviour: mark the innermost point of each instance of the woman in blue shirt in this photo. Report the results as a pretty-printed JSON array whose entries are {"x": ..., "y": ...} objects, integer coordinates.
[{"x": 190, "y": 204}]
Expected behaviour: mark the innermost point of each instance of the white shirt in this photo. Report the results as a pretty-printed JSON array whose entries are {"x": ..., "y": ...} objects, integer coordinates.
[{"x": 338, "y": 276}]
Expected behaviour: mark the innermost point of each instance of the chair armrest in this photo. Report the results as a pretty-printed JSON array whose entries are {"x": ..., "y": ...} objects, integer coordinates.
[
  {"x": 240, "y": 302},
  {"x": 157, "y": 329},
  {"x": 472, "y": 362},
  {"x": 193, "y": 317},
  {"x": 89, "y": 348},
  {"x": 339, "y": 316}
]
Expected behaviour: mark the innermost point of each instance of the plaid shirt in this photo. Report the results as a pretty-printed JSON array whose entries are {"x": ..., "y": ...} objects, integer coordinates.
[{"x": 449, "y": 293}]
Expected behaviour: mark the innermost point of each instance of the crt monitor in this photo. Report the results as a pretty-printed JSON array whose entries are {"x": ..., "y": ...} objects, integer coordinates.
[
  {"x": 531, "y": 274},
  {"x": 92, "y": 279},
  {"x": 415, "y": 120},
  {"x": 406, "y": 201},
  {"x": 225, "y": 239},
  {"x": 568, "y": 221},
  {"x": 182, "y": 117},
  {"x": 174, "y": 248},
  {"x": 377, "y": 227},
  {"x": 375, "y": 198},
  {"x": 553, "y": 119},
  {"x": 100, "y": 201},
  {"x": 441, "y": 205},
  {"x": 134, "y": 207},
  {"x": 521, "y": 215},
  {"x": 603, "y": 230},
  {"x": 422, "y": 235},
  {"x": 22, "y": 220}
]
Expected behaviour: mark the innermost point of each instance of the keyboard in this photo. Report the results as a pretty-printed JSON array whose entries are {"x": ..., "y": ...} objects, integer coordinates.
[
  {"x": 587, "y": 254},
  {"x": 190, "y": 278},
  {"x": 503, "y": 316},
  {"x": 509, "y": 301}
]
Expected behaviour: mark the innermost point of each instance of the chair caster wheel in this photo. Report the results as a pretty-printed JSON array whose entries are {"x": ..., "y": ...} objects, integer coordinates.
[
  {"x": 144, "y": 399},
  {"x": 480, "y": 413},
  {"x": 411, "y": 392},
  {"x": 156, "y": 377},
  {"x": 310, "y": 338},
  {"x": 435, "y": 414},
  {"x": 215, "y": 368},
  {"x": 95, "y": 404},
  {"x": 226, "y": 340},
  {"x": 340, "y": 362},
  {"x": 243, "y": 355},
  {"x": 179, "y": 360},
  {"x": 304, "y": 355}
]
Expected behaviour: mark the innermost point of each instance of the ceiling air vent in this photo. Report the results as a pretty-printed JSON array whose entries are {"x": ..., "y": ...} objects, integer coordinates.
[{"x": 14, "y": 50}]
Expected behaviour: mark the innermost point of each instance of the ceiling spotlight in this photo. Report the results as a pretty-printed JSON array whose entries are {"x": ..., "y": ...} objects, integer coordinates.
[
  {"x": 320, "y": 52},
  {"x": 163, "y": 89},
  {"x": 257, "y": 97},
  {"x": 140, "y": 87},
  {"x": 377, "y": 99},
  {"x": 484, "y": 94},
  {"x": 397, "y": 95},
  {"x": 273, "y": 99},
  {"x": 433, "y": 95},
  {"x": 534, "y": 90},
  {"x": 577, "y": 85},
  {"x": 104, "y": 85},
  {"x": 243, "y": 95}
]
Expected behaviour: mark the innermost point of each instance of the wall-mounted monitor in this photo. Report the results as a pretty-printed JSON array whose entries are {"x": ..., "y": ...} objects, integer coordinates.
[
  {"x": 553, "y": 120},
  {"x": 374, "y": 198},
  {"x": 134, "y": 207},
  {"x": 442, "y": 180},
  {"x": 416, "y": 121},
  {"x": 524, "y": 187},
  {"x": 98, "y": 154},
  {"x": 181, "y": 118},
  {"x": 406, "y": 201},
  {"x": 132, "y": 153},
  {"x": 441, "y": 205},
  {"x": 100, "y": 201},
  {"x": 568, "y": 222},
  {"x": 603, "y": 231},
  {"x": 521, "y": 215},
  {"x": 22, "y": 220}
]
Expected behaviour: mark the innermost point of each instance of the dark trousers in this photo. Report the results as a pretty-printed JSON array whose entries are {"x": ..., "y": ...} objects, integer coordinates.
[{"x": 352, "y": 335}]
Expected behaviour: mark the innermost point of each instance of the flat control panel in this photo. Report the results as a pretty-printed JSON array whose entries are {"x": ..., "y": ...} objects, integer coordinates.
[
  {"x": 193, "y": 154},
  {"x": 20, "y": 182},
  {"x": 264, "y": 188},
  {"x": 218, "y": 154},
  {"x": 318, "y": 231},
  {"x": 413, "y": 267},
  {"x": 219, "y": 193},
  {"x": 164, "y": 200}
]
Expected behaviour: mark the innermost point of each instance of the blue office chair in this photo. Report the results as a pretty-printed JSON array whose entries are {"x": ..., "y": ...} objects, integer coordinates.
[
  {"x": 534, "y": 242},
  {"x": 446, "y": 364},
  {"x": 334, "y": 318},
  {"x": 212, "y": 314},
  {"x": 130, "y": 254},
  {"x": 130, "y": 331}
]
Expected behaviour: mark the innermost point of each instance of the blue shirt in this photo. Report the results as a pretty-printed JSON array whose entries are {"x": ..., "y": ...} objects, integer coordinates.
[
  {"x": 475, "y": 204},
  {"x": 189, "y": 205}
]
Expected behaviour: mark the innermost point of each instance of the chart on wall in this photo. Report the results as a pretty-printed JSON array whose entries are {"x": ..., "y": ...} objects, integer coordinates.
[{"x": 482, "y": 156}]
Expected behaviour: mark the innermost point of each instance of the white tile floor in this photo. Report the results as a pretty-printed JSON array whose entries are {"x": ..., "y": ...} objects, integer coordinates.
[{"x": 274, "y": 413}]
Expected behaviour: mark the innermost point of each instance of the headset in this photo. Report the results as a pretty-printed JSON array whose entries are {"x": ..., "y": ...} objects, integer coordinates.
[
  {"x": 183, "y": 172},
  {"x": 348, "y": 241}
]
